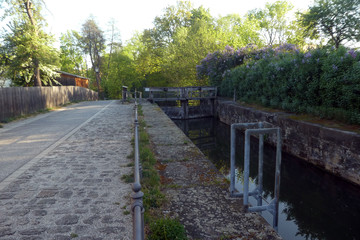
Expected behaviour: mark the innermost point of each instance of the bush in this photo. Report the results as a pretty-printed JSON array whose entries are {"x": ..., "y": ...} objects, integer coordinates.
[
  {"x": 167, "y": 229},
  {"x": 324, "y": 82}
]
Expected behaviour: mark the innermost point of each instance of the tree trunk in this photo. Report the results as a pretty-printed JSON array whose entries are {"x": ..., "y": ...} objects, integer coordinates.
[
  {"x": 29, "y": 11},
  {"x": 37, "y": 79},
  {"x": 98, "y": 83}
]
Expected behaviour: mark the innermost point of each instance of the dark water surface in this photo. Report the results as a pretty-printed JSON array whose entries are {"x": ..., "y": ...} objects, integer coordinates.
[{"x": 313, "y": 203}]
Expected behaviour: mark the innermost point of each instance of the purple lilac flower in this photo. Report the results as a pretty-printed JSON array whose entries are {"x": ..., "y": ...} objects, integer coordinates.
[
  {"x": 352, "y": 53},
  {"x": 229, "y": 48},
  {"x": 307, "y": 55}
]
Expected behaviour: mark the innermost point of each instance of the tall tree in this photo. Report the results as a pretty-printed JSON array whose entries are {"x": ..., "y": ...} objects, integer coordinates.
[
  {"x": 273, "y": 21},
  {"x": 71, "y": 55},
  {"x": 114, "y": 43},
  {"x": 93, "y": 43},
  {"x": 237, "y": 31},
  {"x": 173, "y": 18},
  {"x": 337, "y": 20},
  {"x": 29, "y": 47}
]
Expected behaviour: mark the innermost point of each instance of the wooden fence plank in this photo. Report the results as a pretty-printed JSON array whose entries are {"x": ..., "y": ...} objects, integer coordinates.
[{"x": 18, "y": 101}]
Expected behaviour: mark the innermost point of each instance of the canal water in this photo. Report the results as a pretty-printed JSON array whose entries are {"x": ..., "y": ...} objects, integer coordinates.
[{"x": 313, "y": 203}]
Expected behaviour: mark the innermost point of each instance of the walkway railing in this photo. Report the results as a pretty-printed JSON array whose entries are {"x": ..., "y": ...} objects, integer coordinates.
[{"x": 137, "y": 207}]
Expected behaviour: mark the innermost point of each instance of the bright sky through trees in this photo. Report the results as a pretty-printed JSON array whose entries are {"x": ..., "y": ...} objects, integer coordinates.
[{"x": 132, "y": 16}]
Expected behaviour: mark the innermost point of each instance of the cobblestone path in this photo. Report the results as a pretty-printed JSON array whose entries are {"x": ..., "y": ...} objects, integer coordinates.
[{"x": 75, "y": 191}]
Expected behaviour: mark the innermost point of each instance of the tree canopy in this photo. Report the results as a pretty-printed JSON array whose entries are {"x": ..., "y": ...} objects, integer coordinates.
[
  {"x": 31, "y": 57},
  {"x": 167, "y": 53},
  {"x": 337, "y": 20},
  {"x": 93, "y": 43}
]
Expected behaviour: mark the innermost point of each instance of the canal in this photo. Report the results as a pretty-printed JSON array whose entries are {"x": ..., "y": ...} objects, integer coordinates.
[{"x": 313, "y": 203}]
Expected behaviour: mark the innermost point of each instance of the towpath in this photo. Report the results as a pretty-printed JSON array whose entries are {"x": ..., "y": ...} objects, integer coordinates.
[
  {"x": 60, "y": 174},
  {"x": 197, "y": 192}
]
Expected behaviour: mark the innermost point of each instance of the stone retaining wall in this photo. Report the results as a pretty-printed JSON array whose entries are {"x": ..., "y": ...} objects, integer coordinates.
[{"x": 333, "y": 150}]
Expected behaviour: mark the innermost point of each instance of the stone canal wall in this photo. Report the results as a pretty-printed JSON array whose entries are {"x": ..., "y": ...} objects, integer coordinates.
[{"x": 333, "y": 150}]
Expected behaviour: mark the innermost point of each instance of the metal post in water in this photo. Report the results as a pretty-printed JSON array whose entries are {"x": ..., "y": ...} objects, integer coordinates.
[
  {"x": 232, "y": 159},
  {"x": 273, "y": 206},
  {"x": 277, "y": 178},
  {"x": 246, "y": 170},
  {"x": 261, "y": 166}
]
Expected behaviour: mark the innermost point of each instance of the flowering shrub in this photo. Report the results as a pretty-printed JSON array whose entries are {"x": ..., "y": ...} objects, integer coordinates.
[
  {"x": 215, "y": 64},
  {"x": 324, "y": 82}
]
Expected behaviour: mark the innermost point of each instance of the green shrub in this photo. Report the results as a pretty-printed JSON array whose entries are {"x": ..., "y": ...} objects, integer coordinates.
[
  {"x": 167, "y": 229},
  {"x": 324, "y": 82},
  {"x": 153, "y": 198}
]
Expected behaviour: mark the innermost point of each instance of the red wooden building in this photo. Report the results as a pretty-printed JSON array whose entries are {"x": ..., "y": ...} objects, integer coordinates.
[{"x": 68, "y": 79}]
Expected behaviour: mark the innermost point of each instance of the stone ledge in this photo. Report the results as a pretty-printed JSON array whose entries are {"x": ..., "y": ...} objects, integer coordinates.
[{"x": 333, "y": 150}]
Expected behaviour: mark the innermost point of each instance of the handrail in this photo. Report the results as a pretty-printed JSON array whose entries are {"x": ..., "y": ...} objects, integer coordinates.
[{"x": 137, "y": 196}]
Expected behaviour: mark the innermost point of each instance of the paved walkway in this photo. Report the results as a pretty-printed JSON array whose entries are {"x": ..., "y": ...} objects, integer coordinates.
[{"x": 62, "y": 177}]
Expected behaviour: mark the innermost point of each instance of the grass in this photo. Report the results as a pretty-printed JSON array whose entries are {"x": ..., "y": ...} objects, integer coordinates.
[
  {"x": 128, "y": 178},
  {"x": 166, "y": 228},
  {"x": 151, "y": 186},
  {"x": 73, "y": 235}
]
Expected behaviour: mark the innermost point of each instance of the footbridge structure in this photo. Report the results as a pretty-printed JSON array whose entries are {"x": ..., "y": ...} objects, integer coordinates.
[{"x": 184, "y": 102}]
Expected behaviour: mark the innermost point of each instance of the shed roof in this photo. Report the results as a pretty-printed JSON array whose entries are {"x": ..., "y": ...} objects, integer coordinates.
[{"x": 73, "y": 75}]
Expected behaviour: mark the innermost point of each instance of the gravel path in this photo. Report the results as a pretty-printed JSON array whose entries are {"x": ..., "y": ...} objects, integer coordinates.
[{"x": 74, "y": 190}]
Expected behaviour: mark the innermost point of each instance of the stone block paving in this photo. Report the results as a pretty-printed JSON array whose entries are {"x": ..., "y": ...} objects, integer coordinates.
[{"x": 76, "y": 191}]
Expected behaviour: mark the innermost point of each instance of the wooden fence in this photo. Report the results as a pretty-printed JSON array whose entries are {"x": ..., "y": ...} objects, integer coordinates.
[{"x": 17, "y": 101}]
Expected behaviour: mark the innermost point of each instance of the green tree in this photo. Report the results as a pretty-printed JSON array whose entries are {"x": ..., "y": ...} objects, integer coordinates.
[
  {"x": 273, "y": 21},
  {"x": 337, "y": 20},
  {"x": 113, "y": 45},
  {"x": 174, "y": 17},
  {"x": 189, "y": 45},
  {"x": 238, "y": 32},
  {"x": 122, "y": 72},
  {"x": 30, "y": 55},
  {"x": 71, "y": 54},
  {"x": 93, "y": 43}
]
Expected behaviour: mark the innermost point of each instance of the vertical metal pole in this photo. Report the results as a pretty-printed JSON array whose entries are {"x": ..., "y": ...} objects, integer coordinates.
[
  {"x": 246, "y": 170},
  {"x": 277, "y": 179},
  {"x": 232, "y": 159},
  {"x": 260, "y": 167}
]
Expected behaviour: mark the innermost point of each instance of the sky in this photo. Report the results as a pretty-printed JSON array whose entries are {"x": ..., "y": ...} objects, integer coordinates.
[{"x": 133, "y": 16}]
